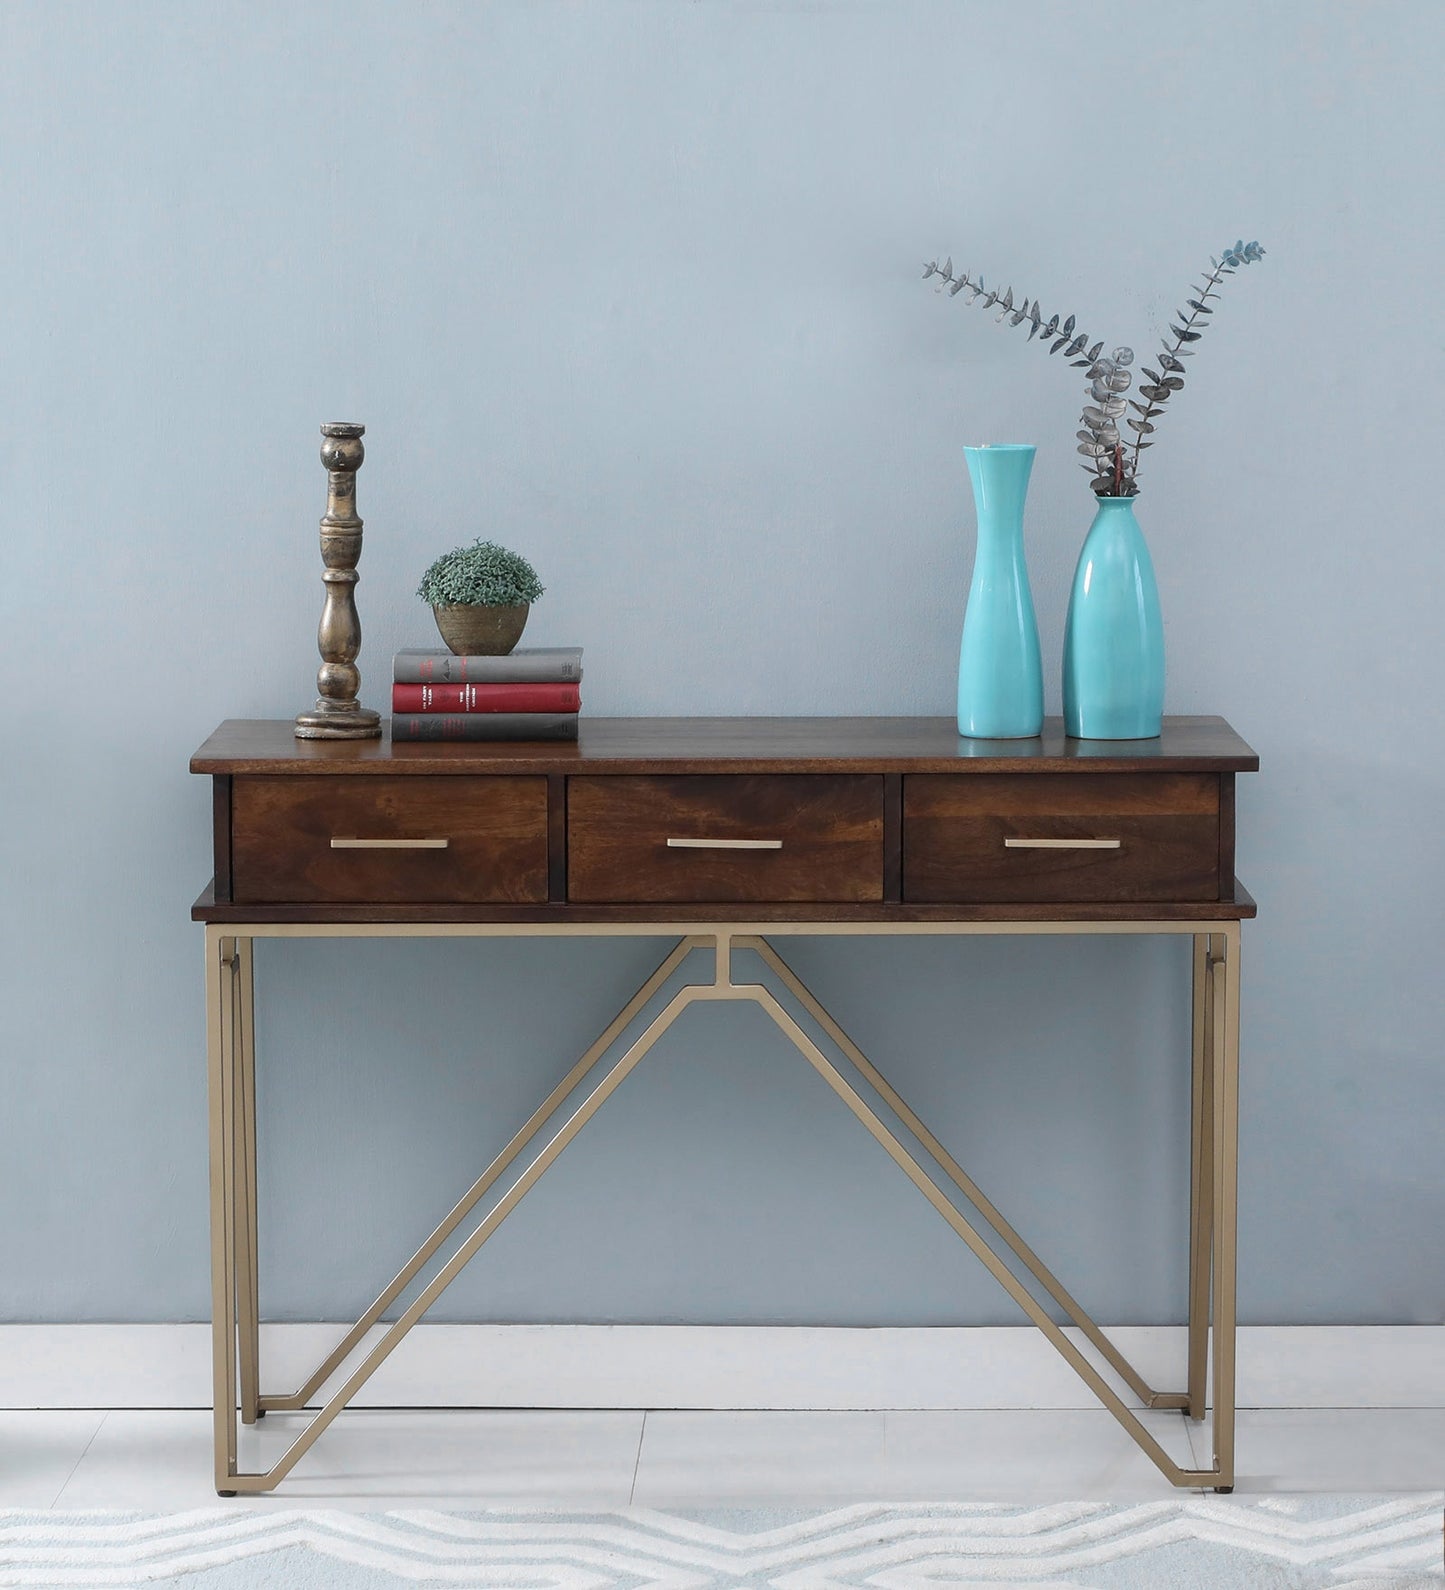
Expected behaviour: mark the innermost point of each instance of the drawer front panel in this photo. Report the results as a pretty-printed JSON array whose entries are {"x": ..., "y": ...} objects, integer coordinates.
[
  {"x": 996, "y": 838},
  {"x": 769, "y": 837},
  {"x": 390, "y": 840}
]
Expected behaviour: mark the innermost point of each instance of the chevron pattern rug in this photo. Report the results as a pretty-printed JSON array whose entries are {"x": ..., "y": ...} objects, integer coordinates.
[{"x": 1193, "y": 1543}]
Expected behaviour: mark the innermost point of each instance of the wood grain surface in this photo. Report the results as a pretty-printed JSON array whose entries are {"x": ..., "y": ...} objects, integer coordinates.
[
  {"x": 735, "y": 745},
  {"x": 881, "y": 820},
  {"x": 829, "y": 829},
  {"x": 495, "y": 828},
  {"x": 955, "y": 832}
]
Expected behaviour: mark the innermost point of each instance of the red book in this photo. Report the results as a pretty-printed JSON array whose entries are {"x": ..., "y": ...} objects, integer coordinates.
[{"x": 542, "y": 696}]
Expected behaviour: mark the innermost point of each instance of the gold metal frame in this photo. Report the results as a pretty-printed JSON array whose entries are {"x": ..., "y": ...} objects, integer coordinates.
[{"x": 873, "y": 1101}]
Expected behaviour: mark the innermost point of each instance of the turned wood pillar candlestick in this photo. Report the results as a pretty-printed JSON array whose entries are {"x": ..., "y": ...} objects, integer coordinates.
[{"x": 337, "y": 714}]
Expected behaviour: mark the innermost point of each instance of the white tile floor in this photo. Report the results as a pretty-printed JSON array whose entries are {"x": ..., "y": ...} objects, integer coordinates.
[{"x": 160, "y": 1461}]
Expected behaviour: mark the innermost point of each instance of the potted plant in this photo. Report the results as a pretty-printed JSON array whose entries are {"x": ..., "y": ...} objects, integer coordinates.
[
  {"x": 480, "y": 596},
  {"x": 1114, "y": 638}
]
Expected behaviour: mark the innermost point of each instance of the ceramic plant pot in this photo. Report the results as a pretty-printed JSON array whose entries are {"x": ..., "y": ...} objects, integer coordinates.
[{"x": 481, "y": 631}]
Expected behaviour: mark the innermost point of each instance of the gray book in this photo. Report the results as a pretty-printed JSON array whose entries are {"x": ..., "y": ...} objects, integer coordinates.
[
  {"x": 533, "y": 664},
  {"x": 484, "y": 726}
]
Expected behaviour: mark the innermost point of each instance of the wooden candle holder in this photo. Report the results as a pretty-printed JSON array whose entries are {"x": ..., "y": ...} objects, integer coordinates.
[{"x": 338, "y": 715}]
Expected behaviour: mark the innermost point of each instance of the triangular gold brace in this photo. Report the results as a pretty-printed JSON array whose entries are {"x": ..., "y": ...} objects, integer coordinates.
[
  {"x": 955, "y": 1173},
  {"x": 488, "y": 1179}
]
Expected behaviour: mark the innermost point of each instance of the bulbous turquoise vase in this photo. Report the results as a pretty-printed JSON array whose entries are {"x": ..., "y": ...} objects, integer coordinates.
[
  {"x": 1114, "y": 635},
  {"x": 1000, "y": 676}
]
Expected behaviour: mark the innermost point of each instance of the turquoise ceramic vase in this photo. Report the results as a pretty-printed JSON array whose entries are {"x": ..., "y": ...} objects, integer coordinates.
[
  {"x": 1114, "y": 635},
  {"x": 1000, "y": 677}
]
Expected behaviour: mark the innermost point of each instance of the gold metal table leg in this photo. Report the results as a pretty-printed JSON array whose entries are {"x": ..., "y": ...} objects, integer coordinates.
[
  {"x": 1225, "y": 983},
  {"x": 1201, "y": 1173},
  {"x": 221, "y": 1088},
  {"x": 612, "y": 1079},
  {"x": 248, "y": 1324},
  {"x": 1213, "y": 1156},
  {"x": 1213, "y": 1209}
]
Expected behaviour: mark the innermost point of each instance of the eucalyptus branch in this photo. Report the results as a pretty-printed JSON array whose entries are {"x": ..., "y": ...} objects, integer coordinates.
[
  {"x": 1113, "y": 462},
  {"x": 1099, "y": 436},
  {"x": 1099, "y": 442},
  {"x": 1169, "y": 379},
  {"x": 1062, "y": 336}
]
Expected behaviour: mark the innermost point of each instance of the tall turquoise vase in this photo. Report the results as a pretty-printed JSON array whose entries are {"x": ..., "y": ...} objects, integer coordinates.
[
  {"x": 1000, "y": 676},
  {"x": 1114, "y": 635}
]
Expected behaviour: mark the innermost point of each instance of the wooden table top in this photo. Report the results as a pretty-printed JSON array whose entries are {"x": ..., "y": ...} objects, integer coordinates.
[{"x": 735, "y": 745}]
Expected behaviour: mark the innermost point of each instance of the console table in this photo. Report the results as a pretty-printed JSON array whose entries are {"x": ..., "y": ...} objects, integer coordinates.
[{"x": 726, "y": 834}]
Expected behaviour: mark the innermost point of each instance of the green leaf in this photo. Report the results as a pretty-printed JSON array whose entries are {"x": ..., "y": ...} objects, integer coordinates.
[
  {"x": 1068, "y": 327},
  {"x": 1142, "y": 426}
]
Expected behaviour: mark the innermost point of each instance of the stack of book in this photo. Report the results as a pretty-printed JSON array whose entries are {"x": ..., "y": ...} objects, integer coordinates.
[{"x": 533, "y": 693}]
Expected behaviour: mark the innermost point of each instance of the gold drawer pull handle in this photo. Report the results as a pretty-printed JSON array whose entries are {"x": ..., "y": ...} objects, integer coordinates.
[
  {"x": 1062, "y": 844},
  {"x": 724, "y": 844},
  {"x": 390, "y": 844}
]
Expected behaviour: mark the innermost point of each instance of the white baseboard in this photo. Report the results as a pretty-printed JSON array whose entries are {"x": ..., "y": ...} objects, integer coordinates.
[{"x": 696, "y": 1366}]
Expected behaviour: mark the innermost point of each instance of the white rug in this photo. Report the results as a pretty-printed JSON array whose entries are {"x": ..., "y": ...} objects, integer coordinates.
[{"x": 1192, "y": 1543}]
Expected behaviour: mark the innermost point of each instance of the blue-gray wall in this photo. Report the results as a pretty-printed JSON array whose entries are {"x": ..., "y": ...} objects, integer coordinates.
[{"x": 635, "y": 287}]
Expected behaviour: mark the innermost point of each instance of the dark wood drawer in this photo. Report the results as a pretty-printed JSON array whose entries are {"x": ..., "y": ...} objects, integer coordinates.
[
  {"x": 361, "y": 839},
  {"x": 697, "y": 838},
  {"x": 1083, "y": 837}
]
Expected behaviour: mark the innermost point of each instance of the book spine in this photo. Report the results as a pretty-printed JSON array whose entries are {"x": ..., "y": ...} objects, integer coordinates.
[
  {"x": 484, "y": 726},
  {"x": 522, "y": 697},
  {"x": 442, "y": 668}
]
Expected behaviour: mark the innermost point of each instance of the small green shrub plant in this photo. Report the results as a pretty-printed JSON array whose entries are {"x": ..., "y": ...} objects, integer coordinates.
[{"x": 481, "y": 575}]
